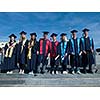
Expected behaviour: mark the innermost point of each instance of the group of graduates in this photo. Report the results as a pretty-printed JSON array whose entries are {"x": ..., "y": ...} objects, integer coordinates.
[{"x": 31, "y": 56}]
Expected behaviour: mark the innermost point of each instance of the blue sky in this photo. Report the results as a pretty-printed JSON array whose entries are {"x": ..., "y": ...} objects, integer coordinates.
[{"x": 48, "y": 21}]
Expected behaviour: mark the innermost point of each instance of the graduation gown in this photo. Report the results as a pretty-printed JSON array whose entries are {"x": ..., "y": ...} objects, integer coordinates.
[
  {"x": 87, "y": 45},
  {"x": 44, "y": 49},
  {"x": 32, "y": 58},
  {"x": 1, "y": 58},
  {"x": 75, "y": 59},
  {"x": 22, "y": 50},
  {"x": 53, "y": 52},
  {"x": 10, "y": 57},
  {"x": 63, "y": 48}
]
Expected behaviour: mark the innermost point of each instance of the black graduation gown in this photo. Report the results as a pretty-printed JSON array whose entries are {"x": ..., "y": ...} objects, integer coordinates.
[
  {"x": 32, "y": 63},
  {"x": 22, "y": 56},
  {"x": 10, "y": 63}
]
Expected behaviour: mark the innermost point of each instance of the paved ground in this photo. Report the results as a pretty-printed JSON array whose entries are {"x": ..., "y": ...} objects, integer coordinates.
[{"x": 48, "y": 80}]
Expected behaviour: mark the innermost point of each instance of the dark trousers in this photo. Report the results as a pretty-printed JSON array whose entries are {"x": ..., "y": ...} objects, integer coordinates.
[
  {"x": 64, "y": 64},
  {"x": 42, "y": 63},
  {"x": 31, "y": 64},
  {"x": 53, "y": 65},
  {"x": 22, "y": 66},
  {"x": 64, "y": 67},
  {"x": 75, "y": 62},
  {"x": 87, "y": 59}
]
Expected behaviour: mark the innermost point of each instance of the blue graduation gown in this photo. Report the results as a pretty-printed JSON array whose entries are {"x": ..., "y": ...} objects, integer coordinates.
[
  {"x": 75, "y": 49},
  {"x": 86, "y": 45},
  {"x": 61, "y": 53}
]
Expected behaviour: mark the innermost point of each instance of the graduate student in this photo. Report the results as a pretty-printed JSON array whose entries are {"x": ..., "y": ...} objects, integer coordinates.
[
  {"x": 1, "y": 56},
  {"x": 44, "y": 53},
  {"x": 63, "y": 52},
  {"x": 75, "y": 52},
  {"x": 10, "y": 57},
  {"x": 87, "y": 46},
  {"x": 53, "y": 54},
  {"x": 22, "y": 51},
  {"x": 33, "y": 47}
]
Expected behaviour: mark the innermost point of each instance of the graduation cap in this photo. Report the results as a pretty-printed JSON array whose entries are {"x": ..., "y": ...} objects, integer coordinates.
[
  {"x": 53, "y": 34},
  {"x": 85, "y": 29},
  {"x": 22, "y": 32},
  {"x": 12, "y": 35},
  {"x": 63, "y": 34},
  {"x": 33, "y": 34},
  {"x": 46, "y": 32},
  {"x": 74, "y": 31}
]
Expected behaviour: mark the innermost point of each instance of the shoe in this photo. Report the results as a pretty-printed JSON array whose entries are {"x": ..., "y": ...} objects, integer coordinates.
[
  {"x": 84, "y": 71},
  {"x": 73, "y": 72},
  {"x": 90, "y": 71},
  {"x": 10, "y": 72},
  {"x": 31, "y": 73},
  {"x": 42, "y": 72},
  {"x": 50, "y": 72},
  {"x": 35, "y": 74},
  {"x": 78, "y": 72},
  {"x": 96, "y": 70},
  {"x": 53, "y": 72},
  {"x": 57, "y": 72},
  {"x": 65, "y": 72},
  {"x": 61, "y": 72},
  {"x": 21, "y": 72}
]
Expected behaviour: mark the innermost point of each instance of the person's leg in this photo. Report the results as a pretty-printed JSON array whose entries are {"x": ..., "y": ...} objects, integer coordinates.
[
  {"x": 44, "y": 64},
  {"x": 52, "y": 63},
  {"x": 72, "y": 63},
  {"x": 77, "y": 63},
  {"x": 56, "y": 69},
  {"x": 84, "y": 63},
  {"x": 90, "y": 62},
  {"x": 39, "y": 63},
  {"x": 33, "y": 64},
  {"x": 22, "y": 68}
]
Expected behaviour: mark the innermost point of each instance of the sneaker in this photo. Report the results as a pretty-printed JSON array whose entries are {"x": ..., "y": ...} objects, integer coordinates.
[
  {"x": 73, "y": 72},
  {"x": 31, "y": 73},
  {"x": 10, "y": 72},
  {"x": 65, "y": 72},
  {"x": 57, "y": 72},
  {"x": 21, "y": 72},
  {"x": 53, "y": 72},
  {"x": 78, "y": 72},
  {"x": 84, "y": 71},
  {"x": 90, "y": 71}
]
